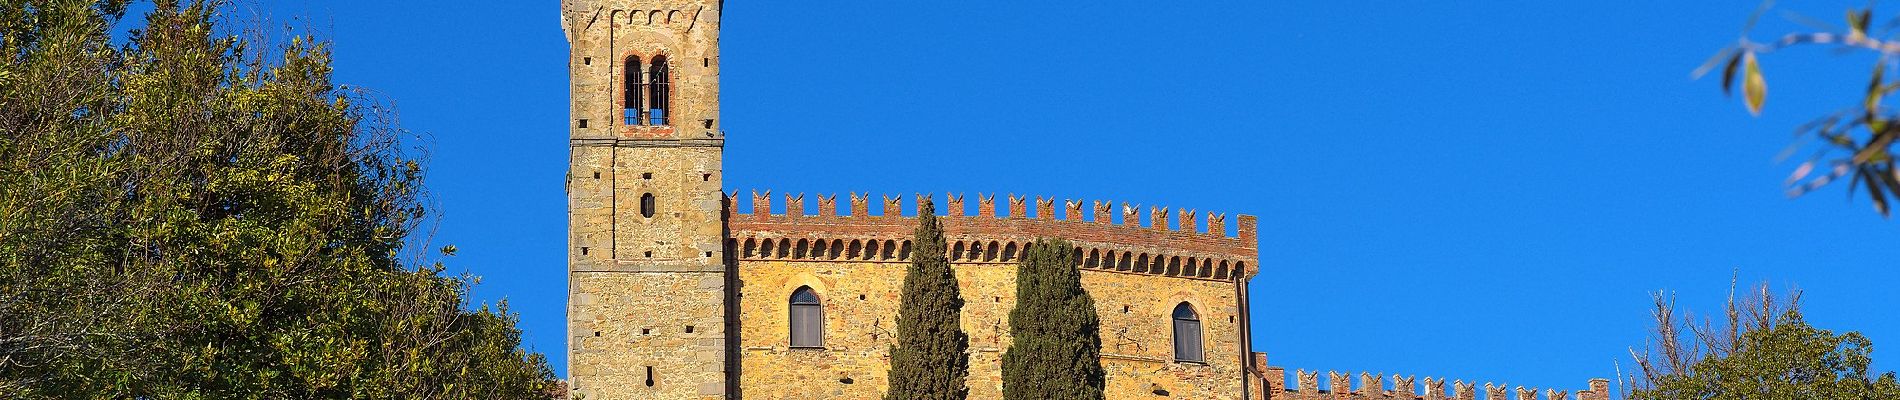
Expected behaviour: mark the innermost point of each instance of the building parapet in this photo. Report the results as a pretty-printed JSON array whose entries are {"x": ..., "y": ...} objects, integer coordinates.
[
  {"x": 1131, "y": 245},
  {"x": 1402, "y": 387}
]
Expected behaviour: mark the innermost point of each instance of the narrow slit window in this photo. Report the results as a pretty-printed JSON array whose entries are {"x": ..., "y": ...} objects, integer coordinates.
[
  {"x": 646, "y": 205},
  {"x": 807, "y": 319},
  {"x": 658, "y": 91},
  {"x": 1187, "y": 334}
]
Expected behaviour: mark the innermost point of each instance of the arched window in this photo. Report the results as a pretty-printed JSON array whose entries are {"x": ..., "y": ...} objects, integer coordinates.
[
  {"x": 633, "y": 92},
  {"x": 808, "y": 319},
  {"x": 657, "y": 91},
  {"x": 647, "y": 205},
  {"x": 1187, "y": 334}
]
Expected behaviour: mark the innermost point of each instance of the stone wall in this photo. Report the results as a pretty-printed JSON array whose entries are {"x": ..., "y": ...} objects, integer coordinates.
[
  {"x": 647, "y": 335},
  {"x": 861, "y": 300},
  {"x": 648, "y": 282},
  {"x": 856, "y": 262}
]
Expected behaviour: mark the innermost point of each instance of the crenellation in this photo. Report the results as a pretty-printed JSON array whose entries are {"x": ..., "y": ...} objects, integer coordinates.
[
  {"x": 1131, "y": 215},
  {"x": 986, "y": 205},
  {"x": 828, "y": 205},
  {"x": 1464, "y": 391},
  {"x": 1340, "y": 382},
  {"x": 1494, "y": 392},
  {"x": 1017, "y": 210},
  {"x": 1045, "y": 208},
  {"x": 1101, "y": 212},
  {"x": 1247, "y": 229},
  {"x": 1187, "y": 221},
  {"x": 795, "y": 205},
  {"x": 1158, "y": 218},
  {"x": 893, "y": 206},
  {"x": 1072, "y": 210},
  {"x": 1435, "y": 389},
  {"x": 859, "y": 206},
  {"x": 1403, "y": 385},
  {"x": 1217, "y": 224},
  {"x": 924, "y": 198},
  {"x": 762, "y": 203},
  {"x": 1370, "y": 384},
  {"x": 954, "y": 205}
]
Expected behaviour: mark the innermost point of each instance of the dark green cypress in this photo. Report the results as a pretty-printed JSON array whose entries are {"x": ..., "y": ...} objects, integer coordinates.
[
  {"x": 930, "y": 359},
  {"x": 1056, "y": 344}
]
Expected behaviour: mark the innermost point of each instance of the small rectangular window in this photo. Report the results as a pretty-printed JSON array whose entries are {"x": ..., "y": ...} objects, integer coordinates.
[{"x": 583, "y": 124}]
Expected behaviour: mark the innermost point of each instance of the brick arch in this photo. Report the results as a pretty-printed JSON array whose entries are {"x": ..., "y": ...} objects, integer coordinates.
[
  {"x": 784, "y": 248},
  {"x": 956, "y": 251},
  {"x": 837, "y": 249},
  {"x": 890, "y": 250},
  {"x": 1010, "y": 252},
  {"x": 1174, "y": 266},
  {"x": 1207, "y": 268},
  {"x": 751, "y": 245},
  {"x": 1141, "y": 263},
  {"x": 1220, "y": 272},
  {"x": 1127, "y": 262},
  {"x": 904, "y": 252},
  {"x": 1094, "y": 260},
  {"x": 800, "y": 251},
  {"x": 990, "y": 251}
]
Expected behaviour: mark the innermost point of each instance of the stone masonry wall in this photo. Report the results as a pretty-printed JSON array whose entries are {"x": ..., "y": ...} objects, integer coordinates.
[
  {"x": 856, "y": 262},
  {"x": 861, "y": 299},
  {"x": 647, "y": 286},
  {"x": 624, "y": 324}
]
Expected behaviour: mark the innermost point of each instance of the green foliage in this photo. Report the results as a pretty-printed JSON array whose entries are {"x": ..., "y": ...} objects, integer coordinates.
[
  {"x": 930, "y": 359},
  {"x": 1056, "y": 344},
  {"x": 195, "y": 215},
  {"x": 1855, "y": 143},
  {"x": 1767, "y": 352}
]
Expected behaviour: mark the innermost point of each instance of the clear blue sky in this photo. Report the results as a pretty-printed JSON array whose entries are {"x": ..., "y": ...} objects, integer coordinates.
[{"x": 1477, "y": 190}]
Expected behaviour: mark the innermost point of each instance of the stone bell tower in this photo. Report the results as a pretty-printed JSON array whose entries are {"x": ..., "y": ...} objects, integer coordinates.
[{"x": 647, "y": 288}]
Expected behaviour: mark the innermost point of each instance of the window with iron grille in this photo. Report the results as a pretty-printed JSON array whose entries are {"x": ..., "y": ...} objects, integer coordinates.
[
  {"x": 658, "y": 93},
  {"x": 633, "y": 92}
]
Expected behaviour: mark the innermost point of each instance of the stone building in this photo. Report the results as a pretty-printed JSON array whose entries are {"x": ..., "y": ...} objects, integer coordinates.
[{"x": 678, "y": 291}]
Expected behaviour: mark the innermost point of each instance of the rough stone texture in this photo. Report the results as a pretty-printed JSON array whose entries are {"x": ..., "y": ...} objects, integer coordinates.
[
  {"x": 637, "y": 284},
  {"x": 860, "y": 303}
]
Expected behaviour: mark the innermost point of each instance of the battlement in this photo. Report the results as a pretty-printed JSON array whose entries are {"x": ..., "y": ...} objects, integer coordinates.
[
  {"x": 1339, "y": 386},
  {"x": 1131, "y": 244}
]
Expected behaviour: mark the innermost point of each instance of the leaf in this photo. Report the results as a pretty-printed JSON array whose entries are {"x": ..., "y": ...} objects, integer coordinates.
[
  {"x": 1874, "y": 88},
  {"x": 1728, "y": 73},
  {"x": 1754, "y": 87},
  {"x": 1857, "y": 22},
  {"x": 1873, "y": 191}
]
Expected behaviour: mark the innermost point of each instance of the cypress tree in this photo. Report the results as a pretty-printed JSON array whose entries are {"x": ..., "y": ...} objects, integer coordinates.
[
  {"x": 929, "y": 360},
  {"x": 1056, "y": 345}
]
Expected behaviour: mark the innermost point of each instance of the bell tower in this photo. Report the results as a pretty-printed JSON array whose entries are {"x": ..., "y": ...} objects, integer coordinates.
[{"x": 647, "y": 285}]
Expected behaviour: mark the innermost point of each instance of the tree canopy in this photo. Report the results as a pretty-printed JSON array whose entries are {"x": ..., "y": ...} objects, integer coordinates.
[
  {"x": 193, "y": 210},
  {"x": 1055, "y": 337},
  {"x": 1764, "y": 350},
  {"x": 930, "y": 359}
]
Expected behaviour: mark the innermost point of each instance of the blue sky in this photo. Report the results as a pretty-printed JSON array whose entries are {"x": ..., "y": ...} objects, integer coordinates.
[{"x": 1484, "y": 191}]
